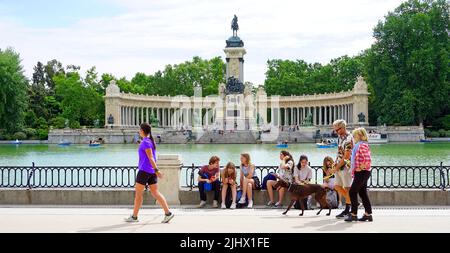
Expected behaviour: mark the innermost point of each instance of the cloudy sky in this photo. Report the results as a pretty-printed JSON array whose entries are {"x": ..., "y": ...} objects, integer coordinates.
[{"x": 123, "y": 37}]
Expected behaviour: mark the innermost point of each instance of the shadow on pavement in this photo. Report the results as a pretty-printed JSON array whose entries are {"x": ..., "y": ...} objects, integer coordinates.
[
  {"x": 331, "y": 224},
  {"x": 122, "y": 225}
]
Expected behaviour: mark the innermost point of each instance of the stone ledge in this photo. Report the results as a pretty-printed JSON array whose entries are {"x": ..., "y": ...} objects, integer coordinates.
[{"x": 125, "y": 196}]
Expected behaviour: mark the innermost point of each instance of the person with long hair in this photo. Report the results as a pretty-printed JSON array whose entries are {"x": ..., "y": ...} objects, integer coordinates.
[
  {"x": 328, "y": 177},
  {"x": 247, "y": 181},
  {"x": 148, "y": 174},
  {"x": 361, "y": 171},
  {"x": 303, "y": 175},
  {"x": 229, "y": 180},
  {"x": 285, "y": 171}
]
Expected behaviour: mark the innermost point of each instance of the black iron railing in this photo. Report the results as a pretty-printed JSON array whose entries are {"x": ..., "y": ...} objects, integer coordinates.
[
  {"x": 425, "y": 177},
  {"x": 67, "y": 177}
]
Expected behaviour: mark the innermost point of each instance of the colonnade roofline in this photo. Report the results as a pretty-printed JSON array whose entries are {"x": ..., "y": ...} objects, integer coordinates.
[{"x": 212, "y": 98}]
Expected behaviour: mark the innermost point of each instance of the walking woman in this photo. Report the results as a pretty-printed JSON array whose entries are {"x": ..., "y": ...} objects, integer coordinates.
[
  {"x": 285, "y": 171},
  {"x": 247, "y": 181},
  {"x": 148, "y": 175},
  {"x": 360, "y": 166}
]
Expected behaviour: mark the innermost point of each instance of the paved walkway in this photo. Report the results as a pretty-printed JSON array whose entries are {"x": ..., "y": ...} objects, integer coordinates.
[{"x": 189, "y": 220}]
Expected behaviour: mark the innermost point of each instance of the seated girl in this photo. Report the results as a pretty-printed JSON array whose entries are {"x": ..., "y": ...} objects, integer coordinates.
[
  {"x": 285, "y": 171},
  {"x": 328, "y": 177},
  {"x": 229, "y": 180},
  {"x": 247, "y": 181}
]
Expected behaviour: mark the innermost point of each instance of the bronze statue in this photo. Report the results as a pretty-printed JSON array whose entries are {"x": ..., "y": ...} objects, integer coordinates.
[
  {"x": 234, "y": 86},
  {"x": 235, "y": 26},
  {"x": 361, "y": 118}
]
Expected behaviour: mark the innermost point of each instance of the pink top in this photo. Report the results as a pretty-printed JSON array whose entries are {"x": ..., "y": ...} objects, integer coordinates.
[{"x": 363, "y": 156}]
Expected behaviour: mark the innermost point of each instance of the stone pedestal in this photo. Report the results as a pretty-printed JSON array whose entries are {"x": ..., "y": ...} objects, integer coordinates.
[
  {"x": 235, "y": 62},
  {"x": 169, "y": 185}
]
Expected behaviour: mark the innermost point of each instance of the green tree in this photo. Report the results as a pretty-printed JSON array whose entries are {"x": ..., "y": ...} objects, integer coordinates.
[
  {"x": 408, "y": 66},
  {"x": 13, "y": 91},
  {"x": 286, "y": 77},
  {"x": 180, "y": 79},
  {"x": 80, "y": 103},
  {"x": 37, "y": 93},
  {"x": 52, "y": 68}
]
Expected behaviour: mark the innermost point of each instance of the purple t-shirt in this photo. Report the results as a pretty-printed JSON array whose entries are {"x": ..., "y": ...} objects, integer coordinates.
[{"x": 144, "y": 161}]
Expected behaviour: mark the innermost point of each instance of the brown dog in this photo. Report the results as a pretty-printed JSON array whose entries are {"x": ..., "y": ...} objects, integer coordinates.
[{"x": 300, "y": 192}]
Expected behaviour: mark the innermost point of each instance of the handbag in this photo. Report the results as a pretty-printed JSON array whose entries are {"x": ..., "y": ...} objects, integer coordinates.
[{"x": 257, "y": 183}]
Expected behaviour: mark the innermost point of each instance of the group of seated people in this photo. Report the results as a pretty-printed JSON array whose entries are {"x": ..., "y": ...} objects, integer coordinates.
[{"x": 211, "y": 178}]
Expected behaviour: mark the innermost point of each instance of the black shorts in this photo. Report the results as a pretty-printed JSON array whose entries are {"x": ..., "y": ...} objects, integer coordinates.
[{"x": 145, "y": 178}]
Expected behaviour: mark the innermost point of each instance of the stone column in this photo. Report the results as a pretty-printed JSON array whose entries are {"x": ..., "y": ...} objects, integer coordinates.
[
  {"x": 345, "y": 113},
  {"x": 302, "y": 115},
  {"x": 122, "y": 117},
  {"x": 334, "y": 113},
  {"x": 351, "y": 114},
  {"x": 272, "y": 118},
  {"x": 169, "y": 185},
  {"x": 329, "y": 115},
  {"x": 171, "y": 117},
  {"x": 320, "y": 116},
  {"x": 158, "y": 113},
  {"x": 125, "y": 111},
  {"x": 164, "y": 115},
  {"x": 339, "y": 112},
  {"x": 292, "y": 122},
  {"x": 136, "y": 116},
  {"x": 126, "y": 115},
  {"x": 348, "y": 112},
  {"x": 131, "y": 116}
]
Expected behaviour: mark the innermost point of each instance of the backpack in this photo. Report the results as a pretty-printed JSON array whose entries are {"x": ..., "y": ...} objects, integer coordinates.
[
  {"x": 269, "y": 176},
  {"x": 332, "y": 199}
]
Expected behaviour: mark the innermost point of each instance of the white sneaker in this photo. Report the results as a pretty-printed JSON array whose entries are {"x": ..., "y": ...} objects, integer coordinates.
[
  {"x": 131, "y": 219},
  {"x": 223, "y": 206},
  {"x": 167, "y": 218},
  {"x": 233, "y": 206},
  {"x": 242, "y": 201},
  {"x": 202, "y": 204},
  {"x": 250, "y": 204},
  {"x": 215, "y": 204}
]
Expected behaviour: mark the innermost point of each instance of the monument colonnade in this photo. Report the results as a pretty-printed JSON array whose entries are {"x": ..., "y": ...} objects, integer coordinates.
[{"x": 130, "y": 110}]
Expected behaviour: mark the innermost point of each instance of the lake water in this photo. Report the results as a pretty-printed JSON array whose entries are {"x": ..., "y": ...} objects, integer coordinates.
[{"x": 411, "y": 154}]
